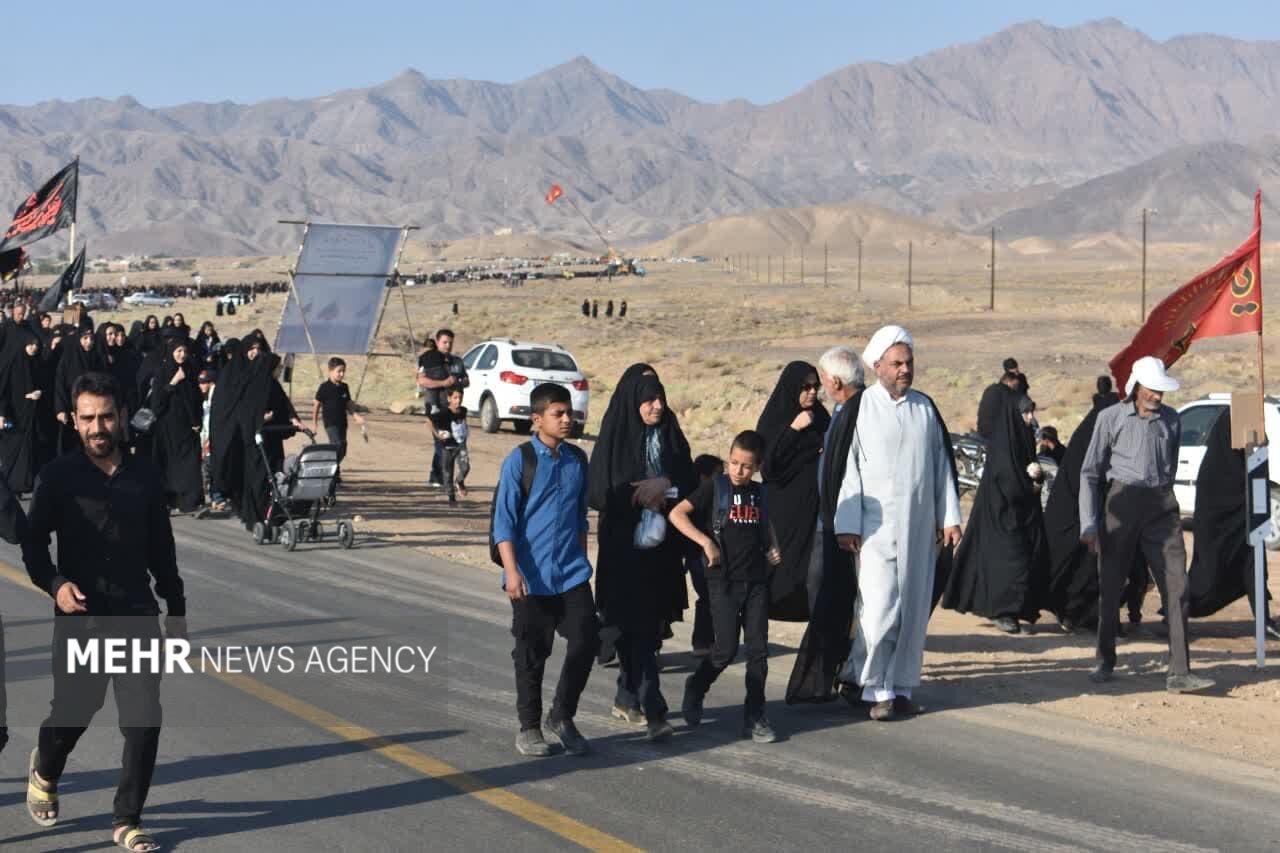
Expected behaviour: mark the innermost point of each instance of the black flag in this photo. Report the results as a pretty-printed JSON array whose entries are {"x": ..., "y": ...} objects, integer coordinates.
[
  {"x": 71, "y": 279},
  {"x": 49, "y": 208},
  {"x": 11, "y": 263}
]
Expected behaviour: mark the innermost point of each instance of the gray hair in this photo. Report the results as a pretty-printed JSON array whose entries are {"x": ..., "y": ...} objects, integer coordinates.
[{"x": 843, "y": 363}]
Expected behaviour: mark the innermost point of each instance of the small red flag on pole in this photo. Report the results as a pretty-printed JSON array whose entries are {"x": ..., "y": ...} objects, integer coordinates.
[
  {"x": 554, "y": 193},
  {"x": 1223, "y": 300}
]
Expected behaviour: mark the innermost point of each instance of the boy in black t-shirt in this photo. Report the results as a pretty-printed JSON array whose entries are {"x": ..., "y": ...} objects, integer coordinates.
[
  {"x": 333, "y": 400},
  {"x": 726, "y": 517},
  {"x": 450, "y": 427}
]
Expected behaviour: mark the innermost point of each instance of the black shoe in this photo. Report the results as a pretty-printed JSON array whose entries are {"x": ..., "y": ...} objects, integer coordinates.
[
  {"x": 1273, "y": 630},
  {"x": 691, "y": 705},
  {"x": 760, "y": 731},
  {"x": 904, "y": 707},
  {"x": 568, "y": 735},
  {"x": 851, "y": 694},
  {"x": 1007, "y": 624},
  {"x": 4, "y": 737},
  {"x": 659, "y": 730},
  {"x": 882, "y": 712},
  {"x": 1102, "y": 674}
]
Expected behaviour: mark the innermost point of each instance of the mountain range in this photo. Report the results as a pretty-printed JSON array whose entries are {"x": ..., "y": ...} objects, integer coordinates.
[{"x": 1040, "y": 131}]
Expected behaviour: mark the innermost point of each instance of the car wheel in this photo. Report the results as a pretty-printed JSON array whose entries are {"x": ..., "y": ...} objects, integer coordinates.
[
  {"x": 522, "y": 427},
  {"x": 489, "y": 415},
  {"x": 1273, "y": 541}
]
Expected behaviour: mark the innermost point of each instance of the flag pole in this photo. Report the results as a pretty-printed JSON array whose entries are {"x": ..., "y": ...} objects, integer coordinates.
[
  {"x": 590, "y": 225},
  {"x": 71, "y": 249},
  {"x": 1259, "y": 553}
]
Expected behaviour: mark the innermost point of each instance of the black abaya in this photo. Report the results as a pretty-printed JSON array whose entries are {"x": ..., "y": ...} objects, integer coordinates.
[
  {"x": 176, "y": 435},
  {"x": 1073, "y": 568},
  {"x": 1222, "y": 558},
  {"x": 28, "y": 444},
  {"x": 790, "y": 470},
  {"x": 1001, "y": 566}
]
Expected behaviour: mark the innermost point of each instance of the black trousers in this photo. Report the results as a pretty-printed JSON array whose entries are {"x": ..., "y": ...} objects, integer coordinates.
[
  {"x": 337, "y": 434},
  {"x": 703, "y": 631},
  {"x": 535, "y": 620},
  {"x": 4, "y": 698},
  {"x": 78, "y": 696},
  {"x": 1143, "y": 521},
  {"x": 738, "y": 607},
  {"x": 638, "y": 673}
]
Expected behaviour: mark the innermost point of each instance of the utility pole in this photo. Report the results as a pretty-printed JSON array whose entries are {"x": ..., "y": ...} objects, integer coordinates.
[
  {"x": 824, "y": 264},
  {"x": 859, "y": 264},
  {"x": 1145, "y": 213},
  {"x": 909, "y": 248},
  {"x": 769, "y": 270},
  {"x": 992, "y": 306}
]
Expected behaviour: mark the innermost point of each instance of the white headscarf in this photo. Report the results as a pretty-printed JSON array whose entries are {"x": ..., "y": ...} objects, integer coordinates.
[{"x": 882, "y": 340}]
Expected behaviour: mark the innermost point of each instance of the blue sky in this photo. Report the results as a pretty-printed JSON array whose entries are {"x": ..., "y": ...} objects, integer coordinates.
[{"x": 169, "y": 52}]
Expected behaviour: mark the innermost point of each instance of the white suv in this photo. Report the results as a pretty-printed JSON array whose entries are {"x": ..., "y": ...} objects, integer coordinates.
[
  {"x": 503, "y": 373},
  {"x": 1198, "y": 417}
]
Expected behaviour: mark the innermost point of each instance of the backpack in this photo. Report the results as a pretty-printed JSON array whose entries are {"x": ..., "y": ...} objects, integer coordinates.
[
  {"x": 528, "y": 469},
  {"x": 722, "y": 503}
]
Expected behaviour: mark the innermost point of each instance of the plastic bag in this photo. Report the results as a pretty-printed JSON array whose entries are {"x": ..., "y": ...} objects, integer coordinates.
[{"x": 651, "y": 530}]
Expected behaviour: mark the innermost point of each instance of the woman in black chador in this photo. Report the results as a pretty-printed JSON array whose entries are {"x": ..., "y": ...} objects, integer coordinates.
[
  {"x": 793, "y": 424},
  {"x": 26, "y": 404},
  {"x": 640, "y": 457},
  {"x": 1001, "y": 565},
  {"x": 179, "y": 411},
  {"x": 1222, "y": 560},
  {"x": 1073, "y": 568},
  {"x": 79, "y": 356}
]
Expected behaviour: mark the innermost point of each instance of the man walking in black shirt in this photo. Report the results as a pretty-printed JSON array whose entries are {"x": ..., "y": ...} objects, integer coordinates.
[{"x": 111, "y": 519}]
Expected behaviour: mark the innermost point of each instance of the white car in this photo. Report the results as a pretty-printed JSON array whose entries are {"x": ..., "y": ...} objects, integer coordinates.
[
  {"x": 149, "y": 299},
  {"x": 234, "y": 298},
  {"x": 503, "y": 373},
  {"x": 1198, "y": 417}
]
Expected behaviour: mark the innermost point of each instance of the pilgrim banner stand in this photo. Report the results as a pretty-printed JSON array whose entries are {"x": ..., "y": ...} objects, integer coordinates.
[{"x": 337, "y": 287}]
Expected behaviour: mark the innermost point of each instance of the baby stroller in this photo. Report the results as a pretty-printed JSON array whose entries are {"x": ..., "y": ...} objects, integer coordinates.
[{"x": 299, "y": 494}]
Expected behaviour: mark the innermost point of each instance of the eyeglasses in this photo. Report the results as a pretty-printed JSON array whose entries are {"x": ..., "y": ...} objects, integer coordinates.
[{"x": 811, "y": 386}]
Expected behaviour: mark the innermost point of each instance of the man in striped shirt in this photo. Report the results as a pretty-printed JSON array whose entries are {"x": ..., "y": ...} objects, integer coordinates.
[{"x": 1131, "y": 460}]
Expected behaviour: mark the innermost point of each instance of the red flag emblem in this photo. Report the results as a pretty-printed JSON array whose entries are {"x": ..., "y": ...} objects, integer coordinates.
[
  {"x": 554, "y": 193},
  {"x": 1223, "y": 300}
]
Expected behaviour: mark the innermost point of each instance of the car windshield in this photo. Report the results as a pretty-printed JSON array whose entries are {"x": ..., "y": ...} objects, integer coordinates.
[{"x": 542, "y": 359}]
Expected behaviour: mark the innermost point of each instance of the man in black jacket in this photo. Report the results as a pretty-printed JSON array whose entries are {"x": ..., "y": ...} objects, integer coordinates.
[{"x": 110, "y": 515}]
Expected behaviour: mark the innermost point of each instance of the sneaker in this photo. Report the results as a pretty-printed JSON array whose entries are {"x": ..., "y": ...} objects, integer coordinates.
[
  {"x": 1187, "y": 683},
  {"x": 1102, "y": 673},
  {"x": 760, "y": 731},
  {"x": 634, "y": 716},
  {"x": 434, "y": 484},
  {"x": 530, "y": 742},
  {"x": 568, "y": 735},
  {"x": 691, "y": 706},
  {"x": 659, "y": 731},
  {"x": 1273, "y": 631}
]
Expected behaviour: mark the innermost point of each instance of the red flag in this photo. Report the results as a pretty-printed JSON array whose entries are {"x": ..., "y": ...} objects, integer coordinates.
[
  {"x": 1223, "y": 300},
  {"x": 554, "y": 193}
]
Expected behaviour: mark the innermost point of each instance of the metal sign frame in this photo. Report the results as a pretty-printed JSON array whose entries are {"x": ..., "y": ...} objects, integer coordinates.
[{"x": 393, "y": 277}]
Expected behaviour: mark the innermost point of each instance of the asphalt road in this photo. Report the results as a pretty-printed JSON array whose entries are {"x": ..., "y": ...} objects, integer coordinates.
[{"x": 342, "y": 761}]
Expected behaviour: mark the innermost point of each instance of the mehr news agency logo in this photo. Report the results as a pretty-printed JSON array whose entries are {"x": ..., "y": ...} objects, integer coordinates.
[{"x": 155, "y": 656}]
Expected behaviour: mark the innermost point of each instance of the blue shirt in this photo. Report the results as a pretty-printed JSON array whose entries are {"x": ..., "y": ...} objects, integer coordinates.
[{"x": 549, "y": 552}]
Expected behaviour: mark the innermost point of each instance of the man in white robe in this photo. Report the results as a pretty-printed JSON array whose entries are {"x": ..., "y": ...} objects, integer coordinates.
[{"x": 898, "y": 492}]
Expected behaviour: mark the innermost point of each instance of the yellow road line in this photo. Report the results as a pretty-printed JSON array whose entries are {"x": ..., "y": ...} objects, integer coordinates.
[{"x": 562, "y": 825}]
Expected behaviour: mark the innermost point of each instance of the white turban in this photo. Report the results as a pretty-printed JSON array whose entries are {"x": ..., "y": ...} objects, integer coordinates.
[
  {"x": 880, "y": 342},
  {"x": 1149, "y": 373}
]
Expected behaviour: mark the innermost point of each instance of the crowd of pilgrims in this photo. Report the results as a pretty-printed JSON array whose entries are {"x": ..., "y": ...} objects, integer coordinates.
[
  {"x": 208, "y": 398},
  {"x": 1014, "y": 562}
]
